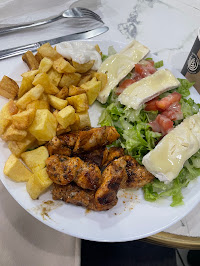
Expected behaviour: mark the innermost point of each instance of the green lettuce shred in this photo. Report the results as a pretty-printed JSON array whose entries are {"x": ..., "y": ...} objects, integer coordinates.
[
  {"x": 158, "y": 64},
  {"x": 184, "y": 87}
]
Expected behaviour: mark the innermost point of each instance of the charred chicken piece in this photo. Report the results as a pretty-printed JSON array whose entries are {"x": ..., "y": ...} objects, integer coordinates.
[
  {"x": 78, "y": 196},
  {"x": 62, "y": 144},
  {"x": 95, "y": 156},
  {"x": 74, "y": 195},
  {"x": 113, "y": 175},
  {"x": 82, "y": 141},
  {"x": 111, "y": 154},
  {"x": 137, "y": 175},
  {"x": 95, "y": 138},
  {"x": 62, "y": 170}
]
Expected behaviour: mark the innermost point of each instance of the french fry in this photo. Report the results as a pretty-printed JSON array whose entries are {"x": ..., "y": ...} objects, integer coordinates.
[
  {"x": 25, "y": 86},
  {"x": 63, "y": 66},
  {"x": 45, "y": 65},
  {"x": 56, "y": 102},
  {"x": 38, "y": 183},
  {"x": 92, "y": 89},
  {"x": 38, "y": 104},
  {"x": 69, "y": 79},
  {"x": 38, "y": 57},
  {"x": 27, "y": 80},
  {"x": 83, "y": 68},
  {"x": 16, "y": 170},
  {"x": 66, "y": 116},
  {"x": 17, "y": 147},
  {"x": 101, "y": 77},
  {"x": 30, "y": 60},
  {"x": 14, "y": 134},
  {"x": 76, "y": 125},
  {"x": 79, "y": 102},
  {"x": 43, "y": 79},
  {"x": 85, "y": 79},
  {"x": 6, "y": 113},
  {"x": 35, "y": 159},
  {"x": 8, "y": 88},
  {"x": 24, "y": 119},
  {"x": 30, "y": 96},
  {"x": 84, "y": 120},
  {"x": 54, "y": 76},
  {"x": 44, "y": 125},
  {"x": 98, "y": 49},
  {"x": 63, "y": 93},
  {"x": 73, "y": 90},
  {"x": 46, "y": 50}
]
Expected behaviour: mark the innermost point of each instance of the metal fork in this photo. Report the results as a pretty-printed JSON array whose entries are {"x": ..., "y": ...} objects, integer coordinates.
[{"x": 77, "y": 12}]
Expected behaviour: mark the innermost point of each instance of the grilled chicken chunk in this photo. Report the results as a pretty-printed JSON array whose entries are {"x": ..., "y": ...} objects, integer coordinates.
[
  {"x": 77, "y": 196},
  {"x": 113, "y": 175},
  {"x": 74, "y": 195},
  {"x": 62, "y": 170},
  {"x": 136, "y": 175},
  {"x": 111, "y": 154},
  {"x": 95, "y": 156},
  {"x": 62, "y": 144},
  {"x": 82, "y": 141},
  {"x": 95, "y": 138}
]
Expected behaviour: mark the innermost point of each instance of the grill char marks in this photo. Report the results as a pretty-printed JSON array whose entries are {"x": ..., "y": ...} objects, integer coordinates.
[
  {"x": 62, "y": 170},
  {"x": 82, "y": 141}
]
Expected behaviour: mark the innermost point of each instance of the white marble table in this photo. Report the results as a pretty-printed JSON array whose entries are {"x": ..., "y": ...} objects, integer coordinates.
[{"x": 169, "y": 28}]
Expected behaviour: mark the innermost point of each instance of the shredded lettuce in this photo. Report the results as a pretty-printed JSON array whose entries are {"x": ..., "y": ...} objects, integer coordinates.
[
  {"x": 158, "y": 64},
  {"x": 136, "y": 136},
  {"x": 183, "y": 89}
]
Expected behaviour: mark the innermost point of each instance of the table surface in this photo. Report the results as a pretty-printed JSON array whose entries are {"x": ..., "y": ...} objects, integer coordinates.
[{"x": 168, "y": 28}]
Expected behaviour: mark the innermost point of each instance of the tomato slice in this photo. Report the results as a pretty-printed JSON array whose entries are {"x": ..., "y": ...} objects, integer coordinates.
[
  {"x": 165, "y": 102},
  {"x": 165, "y": 124},
  {"x": 174, "y": 112},
  {"x": 155, "y": 126},
  {"x": 151, "y": 105},
  {"x": 123, "y": 85},
  {"x": 145, "y": 69}
]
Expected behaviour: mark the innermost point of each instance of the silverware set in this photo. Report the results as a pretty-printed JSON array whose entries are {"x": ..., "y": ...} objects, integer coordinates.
[{"x": 77, "y": 12}]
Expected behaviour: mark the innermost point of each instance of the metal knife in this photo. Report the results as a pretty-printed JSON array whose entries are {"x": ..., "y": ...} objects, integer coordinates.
[{"x": 34, "y": 46}]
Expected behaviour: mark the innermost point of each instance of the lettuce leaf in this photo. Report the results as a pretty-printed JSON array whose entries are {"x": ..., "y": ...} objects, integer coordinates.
[
  {"x": 158, "y": 64},
  {"x": 183, "y": 89}
]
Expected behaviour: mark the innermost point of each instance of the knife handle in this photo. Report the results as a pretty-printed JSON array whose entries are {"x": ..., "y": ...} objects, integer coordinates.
[{"x": 19, "y": 50}]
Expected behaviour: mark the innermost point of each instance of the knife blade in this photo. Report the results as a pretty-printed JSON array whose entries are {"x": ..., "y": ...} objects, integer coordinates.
[{"x": 34, "y": 46}]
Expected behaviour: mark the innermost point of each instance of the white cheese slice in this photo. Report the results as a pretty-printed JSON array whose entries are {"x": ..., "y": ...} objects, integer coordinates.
[
  {"x": 166, "y": 160},
  {"x": 147, "y": 88},
  {"x": 119, "y": 65}
]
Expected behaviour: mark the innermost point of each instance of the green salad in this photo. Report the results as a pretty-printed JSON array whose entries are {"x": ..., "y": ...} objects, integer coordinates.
[{"x": 138, "y": 138}]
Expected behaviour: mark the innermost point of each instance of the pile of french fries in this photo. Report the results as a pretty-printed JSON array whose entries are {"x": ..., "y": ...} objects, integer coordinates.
[{"x": 53, "y": 98}]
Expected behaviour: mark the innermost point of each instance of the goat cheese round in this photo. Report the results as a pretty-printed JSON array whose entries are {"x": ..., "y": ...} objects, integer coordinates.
[{"x": 80, "y": 52}]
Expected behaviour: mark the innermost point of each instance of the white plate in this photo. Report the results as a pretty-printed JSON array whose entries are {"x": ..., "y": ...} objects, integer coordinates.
[{"x": 132, "y": 218}]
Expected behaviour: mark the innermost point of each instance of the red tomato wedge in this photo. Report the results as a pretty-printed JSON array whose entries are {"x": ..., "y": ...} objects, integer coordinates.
[
  {"x": 145, "y": 69},
  {"x": 151, "y": 105},
  {"x": 173, "y": 112},
  {"x": 165, "y": 102},
  {"x": 123, "y": 85},
  {"x": 165, "y": 124},
  {"x": 155, "y": 126}
]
